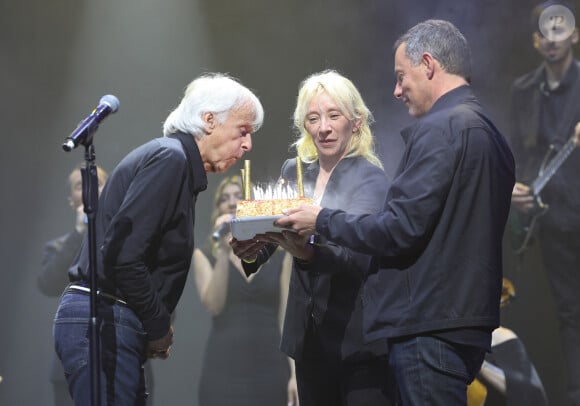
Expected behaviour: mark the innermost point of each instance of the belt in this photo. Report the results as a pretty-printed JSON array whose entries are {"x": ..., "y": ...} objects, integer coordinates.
[{"x": 85, "y": 290}]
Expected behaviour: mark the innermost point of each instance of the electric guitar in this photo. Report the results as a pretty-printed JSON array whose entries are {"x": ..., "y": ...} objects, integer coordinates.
[{"x": 523, "y": 224}]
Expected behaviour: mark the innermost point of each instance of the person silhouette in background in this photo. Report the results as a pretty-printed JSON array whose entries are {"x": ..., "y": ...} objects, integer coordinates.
[
  {"x": 242, "y": 364},
  {"x": 545, "y": 113},
  {"x": 57, "y": 257},
  {"x": 59, "y": 253}
]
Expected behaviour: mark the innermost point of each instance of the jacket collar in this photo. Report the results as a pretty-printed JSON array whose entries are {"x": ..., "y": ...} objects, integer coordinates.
[
  {"x": 450, "y": 99},
  {"x": 191, "y": 150}
]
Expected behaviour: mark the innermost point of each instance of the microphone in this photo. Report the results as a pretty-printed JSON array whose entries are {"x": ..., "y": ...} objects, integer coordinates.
[
  {"x": 108, "y": 104},
  {"x": 223, "y": 230}
]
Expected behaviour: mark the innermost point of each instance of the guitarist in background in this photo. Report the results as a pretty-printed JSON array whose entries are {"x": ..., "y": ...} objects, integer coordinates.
[{"x": 545, "y": 111}]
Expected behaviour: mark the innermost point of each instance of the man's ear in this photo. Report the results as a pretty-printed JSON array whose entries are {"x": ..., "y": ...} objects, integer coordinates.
[
  {"x": 428, "y": 62},
  {"x": 209, "y": 121}
]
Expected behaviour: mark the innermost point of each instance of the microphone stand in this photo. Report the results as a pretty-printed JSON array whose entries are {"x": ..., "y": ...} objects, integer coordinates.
[
  {"x": 90, "y": 201},
  {"x": 83, "y": 134}
]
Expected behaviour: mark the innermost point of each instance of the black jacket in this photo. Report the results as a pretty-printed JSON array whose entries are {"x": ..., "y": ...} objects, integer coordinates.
[
  {"x": 144, "y": 229},
  {"x": 439, "y": 235},
  {"x": 57, "y": 258},
  {"x": 327, "y": 291}
]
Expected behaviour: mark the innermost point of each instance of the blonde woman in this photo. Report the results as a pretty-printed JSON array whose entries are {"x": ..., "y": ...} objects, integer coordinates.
[{"x": 323, "y": 324}]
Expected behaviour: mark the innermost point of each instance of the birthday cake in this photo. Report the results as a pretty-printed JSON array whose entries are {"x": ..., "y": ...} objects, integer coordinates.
[
  {"x": 270, "y": 207},
  {"x": 258, "y": 215}
]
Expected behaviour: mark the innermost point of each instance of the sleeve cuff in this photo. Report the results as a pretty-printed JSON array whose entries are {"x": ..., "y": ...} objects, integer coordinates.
[
  {"x": 156, "y": 328},
  {"x": 322, "y": 221}
]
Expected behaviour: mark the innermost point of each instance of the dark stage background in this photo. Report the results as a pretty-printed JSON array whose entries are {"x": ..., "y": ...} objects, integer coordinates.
[{"x": 59, "y": 57}]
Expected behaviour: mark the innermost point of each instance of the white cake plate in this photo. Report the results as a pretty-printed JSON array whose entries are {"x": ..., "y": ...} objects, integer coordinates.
[{"x": 246, "y": 228}]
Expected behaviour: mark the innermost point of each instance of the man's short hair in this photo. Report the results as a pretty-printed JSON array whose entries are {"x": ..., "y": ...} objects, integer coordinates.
[{"x": 442, "y": 40}]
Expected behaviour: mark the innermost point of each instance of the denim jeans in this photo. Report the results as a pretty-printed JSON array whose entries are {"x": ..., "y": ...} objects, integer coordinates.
[
  {"x": 122, "y": 341},
  {"x": 430, "y": 371}
]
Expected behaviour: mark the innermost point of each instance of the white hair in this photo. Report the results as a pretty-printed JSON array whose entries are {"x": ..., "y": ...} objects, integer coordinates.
[{"x": 215, "y": 93}]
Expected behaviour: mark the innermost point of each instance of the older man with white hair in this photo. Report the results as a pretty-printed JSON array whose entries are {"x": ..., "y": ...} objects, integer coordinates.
[{"x": 144, "y": 235}]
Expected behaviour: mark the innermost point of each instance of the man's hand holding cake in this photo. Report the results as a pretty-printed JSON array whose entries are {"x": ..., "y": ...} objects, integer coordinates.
[{"x": 300, "y": 219}]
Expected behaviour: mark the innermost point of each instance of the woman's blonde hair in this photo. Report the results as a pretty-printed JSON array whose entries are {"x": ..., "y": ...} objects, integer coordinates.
[{"x": 344, "y": 93}]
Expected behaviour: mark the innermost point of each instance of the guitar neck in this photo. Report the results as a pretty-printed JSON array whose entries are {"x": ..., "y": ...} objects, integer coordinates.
[{"x": 550, "y": 169}]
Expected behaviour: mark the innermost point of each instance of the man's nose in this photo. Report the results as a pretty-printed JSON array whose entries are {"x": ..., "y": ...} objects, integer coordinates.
[
  {"x": 397, "y": 92},
  {"x": 247, "y": 144}
]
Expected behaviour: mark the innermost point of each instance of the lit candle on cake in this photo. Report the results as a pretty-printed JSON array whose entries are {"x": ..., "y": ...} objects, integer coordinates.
[
  {"x": 272, "y": 200},
  {"x": 243, "y": 181},
  {"x": 246, "y": 180},
  {"x": 299, "y": 177}
]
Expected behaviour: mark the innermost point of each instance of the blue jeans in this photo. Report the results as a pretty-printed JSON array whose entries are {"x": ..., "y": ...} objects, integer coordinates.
[
  {"x": 123, "y": 343},
  {"x": 430, "y": 371}
]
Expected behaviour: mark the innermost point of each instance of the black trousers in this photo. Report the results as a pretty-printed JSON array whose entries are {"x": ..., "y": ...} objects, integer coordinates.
[
  {"x": 362, "y": 382},
  {"x": 561, "y": 255}
]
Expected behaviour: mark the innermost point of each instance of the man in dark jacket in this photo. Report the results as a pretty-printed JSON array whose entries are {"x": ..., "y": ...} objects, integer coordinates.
[
  {"x": 144, "y": 233},
  {"x": 435, "y": 295}
]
